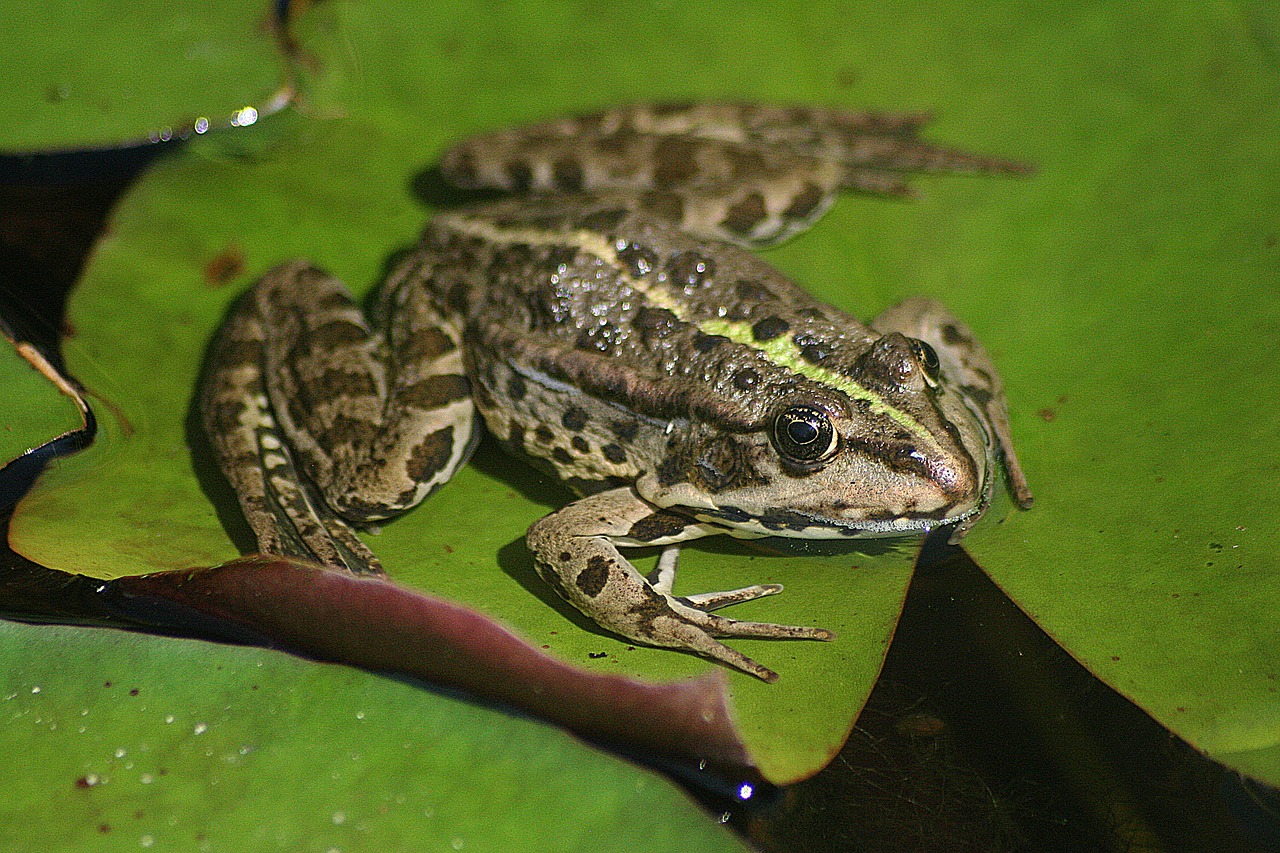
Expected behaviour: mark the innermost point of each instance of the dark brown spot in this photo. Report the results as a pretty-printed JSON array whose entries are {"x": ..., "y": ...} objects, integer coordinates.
[
  {"x": 565, "y": 556},
  {"x": 727, "y": 513},
  {"x": 516, "y": 389},
  {"x": 340, "y": 383},
  {"x": 519, "y": 175},
  {"x": 426, "y": 344},
  {"x": 615, "y": 143},
  {"x": 746, "y": 163},
  {"x": 436, "y": 391},
  {"x": 625, "y": 430},
  {"x": 338, "y": 333},
  {"x": 703, "y": 342},
  {"x": 785, "y": 520},
  {"x": 614, "y": 453},
  {"x": 743, "y": 217},
  {"x": 769, "y": 328},
  {"x": 595, "y": 485},
  {"x": 674, "y": 162},
  {"x": 484, "y": 398},
  {"x": 342, "y": 430},
  {"x": 812, "y": 349},
  {"x": 431, "y": 455},
  {"x": 951, "y": 334},
  {"x": 592, "y": 579},
  {"x": 544, "y": 434},
  {"x": 562, "y": 456},
  {"x": 660, "y": 525},
  {"x": 664, "y": 205},
  {"x": 515, "y": 438},
  {"x": 574, "y": 419},
  {"x": 639, "y": 260},
  {"x": 689, "y": 270},
  {"x": 981, "y": 396},
  {"x": 655, "y": 323},
  {"x": 224, "y": 267},
  {"x": 232, "y": 352},
  {"x": 567, "y": 174},
  {"x": 667, "y": 108},
  {"x": 745, "y": 379},
  {"x": 805, "y": 203},
  {"x": 603, "y": 220},
  {"x": 560, "y": 257},
  {"x": 751, "y": 291},
  {"x": 580, "y": 444}
]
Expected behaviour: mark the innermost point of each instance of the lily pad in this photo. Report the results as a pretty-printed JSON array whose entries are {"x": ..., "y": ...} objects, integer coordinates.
[
  {"x": 1125, "y": 291},
  {"x": 127, "y": 742},
  {"x": 100, "y": 74}
]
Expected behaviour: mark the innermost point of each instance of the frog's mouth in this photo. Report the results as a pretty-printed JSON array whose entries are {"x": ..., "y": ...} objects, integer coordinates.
[{"x": 795, "y": 524}]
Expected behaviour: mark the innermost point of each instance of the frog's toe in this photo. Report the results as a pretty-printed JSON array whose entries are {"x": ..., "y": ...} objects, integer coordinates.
[
  {"x": 708, "y": 601},
  {"x": 697, "y": 631}
]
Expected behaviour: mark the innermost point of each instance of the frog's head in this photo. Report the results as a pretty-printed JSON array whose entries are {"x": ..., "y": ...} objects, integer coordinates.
[{"x": 886, "y": 448}]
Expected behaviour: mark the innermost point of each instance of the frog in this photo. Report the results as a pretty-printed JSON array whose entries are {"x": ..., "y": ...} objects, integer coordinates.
[{"x": 609, "y": 322}]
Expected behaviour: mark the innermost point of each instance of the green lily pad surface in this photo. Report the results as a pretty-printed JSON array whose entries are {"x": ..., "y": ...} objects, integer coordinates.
[
  {"x": 146, "y": 742},
  {"x": 99, "y": 74},
  {"x": 1125, "y": 291}
]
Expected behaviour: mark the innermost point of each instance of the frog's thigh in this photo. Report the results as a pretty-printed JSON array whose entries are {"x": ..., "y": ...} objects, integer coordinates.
[
  {"x": 576, "y": 551},
  {"x": 375, "y": 432}
]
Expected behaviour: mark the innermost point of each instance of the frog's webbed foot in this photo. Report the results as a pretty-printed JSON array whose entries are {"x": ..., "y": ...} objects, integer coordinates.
[{"x": 576, "y": 550}]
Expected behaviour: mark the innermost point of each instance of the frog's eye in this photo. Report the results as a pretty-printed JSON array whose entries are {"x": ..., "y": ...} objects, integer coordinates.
[
  {"x": 928, "y": 358},
  {"x": 804, "y": 434}
]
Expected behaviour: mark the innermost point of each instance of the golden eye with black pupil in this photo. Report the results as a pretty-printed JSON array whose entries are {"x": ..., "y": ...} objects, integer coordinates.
[
  {"x": 804, "y": 434},
  {"x": 928, "y": 358}
]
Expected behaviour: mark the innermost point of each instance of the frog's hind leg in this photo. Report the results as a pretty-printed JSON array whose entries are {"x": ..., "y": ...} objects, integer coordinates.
[
  {"x": 576, "y": 551},
  {"x": 286, "y": 515},
  {"x": 749, "y": 174},
  {"x": 320, "y": 419}
]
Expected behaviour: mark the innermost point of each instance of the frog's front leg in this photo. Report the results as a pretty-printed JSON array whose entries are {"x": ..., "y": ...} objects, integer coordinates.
[{"x": 576, "y": 551}]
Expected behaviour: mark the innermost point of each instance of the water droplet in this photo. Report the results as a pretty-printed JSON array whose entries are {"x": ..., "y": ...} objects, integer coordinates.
[
  {"x": 35, "y": 689},
  {"x": 202, "y": 125},
  {"x": 120, "y": 752},
  {"x": 168, "y": 718},
  {"x": 147, "y": 779},
  {"x": 147, "y": 840},
  {"x": 339, "y": 818},
  {"x": 200, "y": 728}
]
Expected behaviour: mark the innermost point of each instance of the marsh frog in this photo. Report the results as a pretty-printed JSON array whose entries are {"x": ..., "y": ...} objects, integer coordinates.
[{"x": 610, "y": 327}]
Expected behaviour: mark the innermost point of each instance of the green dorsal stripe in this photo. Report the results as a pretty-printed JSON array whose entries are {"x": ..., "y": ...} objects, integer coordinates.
[
  {"x": 784, "y": 352},
  {"x": 781, "y": 350}
]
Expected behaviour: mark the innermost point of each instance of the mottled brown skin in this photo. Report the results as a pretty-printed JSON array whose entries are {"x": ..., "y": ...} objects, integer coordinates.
[{"x": 679, "y": 384}]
